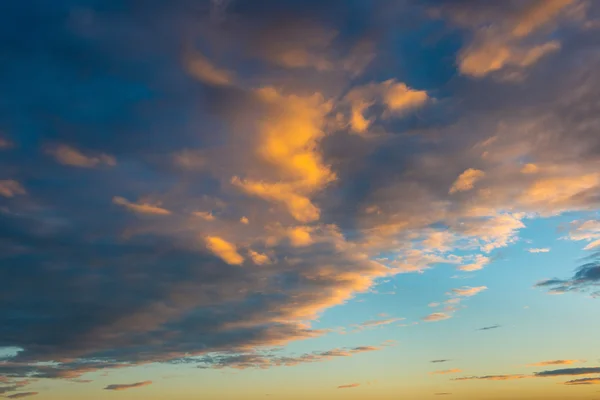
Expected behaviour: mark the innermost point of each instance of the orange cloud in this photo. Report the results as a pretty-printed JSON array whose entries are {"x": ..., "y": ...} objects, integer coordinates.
[
  {"x": 202, "y": 69},
  {"x": 494, "y": 377},
  {"x": 437, "y": 317},
  {"x": 141, "y": 208},
  {"x": 68, "y": 155},
  {"x": 258, "y": 258},
  {"x": 11, "y": 188},
  {"x": 288, "y": 142},
  {"x": 446, "y": 372},
  {"x": 128, "y": 386},
  {"x": 348, "y": 386},
  {"x": 466, "y": 181},
  {"x": 224, "y": 250},
  {"x": 555, "y": 362}
]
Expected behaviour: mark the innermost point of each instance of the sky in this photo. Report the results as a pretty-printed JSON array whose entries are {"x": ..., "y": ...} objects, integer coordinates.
[{"x": 292, "y": 199}]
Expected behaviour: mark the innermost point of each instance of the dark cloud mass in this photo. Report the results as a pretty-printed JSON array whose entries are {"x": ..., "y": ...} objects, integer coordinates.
[{"x": 182, "y": 182}]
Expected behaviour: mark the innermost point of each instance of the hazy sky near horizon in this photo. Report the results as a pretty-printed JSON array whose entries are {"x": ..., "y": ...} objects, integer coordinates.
[{"x": 292, "y": 199}]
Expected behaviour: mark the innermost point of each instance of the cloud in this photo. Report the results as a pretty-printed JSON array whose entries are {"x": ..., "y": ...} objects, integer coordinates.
[
  {"x": 446, "y": 372},
  {"x": 259, "y": 258},
  {"x": 479, "y": 263},
  {"x": 349, "y": 386},
  {"x": 466, "y": 181},
  {"x": 11, "y": 188},
  {"x": 539, "y": 250},
  {"x": 21, "y": 395},
  {"x": 583, "y": 381},
  {"x": 128, "y": 385},
  {"x": 438, "y": 316},
  {"x": 569, "y": 371},
  {"x": 439, "y": 361},
  {"x": 207, "y": 216},
  {"x": 396, "y": 97},
  {"x": 202, "y": 69},
  {"x": 70, "y": 156},
  {"x": 5, "y": 144},
  {"x": 493, "y": 377},
  {"x": 223, "y": 249},
  {"x": 487, "y": 328},
  {"x": 379, "y": 322},
  {"x": 505, "y": 38},
  {"x": 142, "y": 207},
  {"x": 555, "y": 362},
  {"x": 585, "y": 279},
  {"x": 259, "y": 360},
  {"x": 467, "y": 291}
]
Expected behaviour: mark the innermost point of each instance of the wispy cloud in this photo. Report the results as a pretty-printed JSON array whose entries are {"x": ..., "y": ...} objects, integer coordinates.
[
  {"x": 141, "y": 207},
  {"x": 349, "y": 386},
  {"x": 539, "y": 250},
  {"x": 555, "y": 362},
  {"x": 439, "y": 361},
  {"x": 584, "y": 381},
  {"x": 21, "y": 395},
  {"x": 128, "y": 385},
  {"x": 70, "y": 156},
  {"x": 11, "y": 188},
  {"x": 446, "y": 372},
  {"x": 467, "y": 291},
  {"x": 438, "y": 316},
  {"x": 487, "y": 328}
]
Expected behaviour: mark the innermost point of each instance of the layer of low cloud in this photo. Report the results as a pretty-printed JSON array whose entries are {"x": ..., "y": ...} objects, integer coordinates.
[{"x": 127, "y": 386}]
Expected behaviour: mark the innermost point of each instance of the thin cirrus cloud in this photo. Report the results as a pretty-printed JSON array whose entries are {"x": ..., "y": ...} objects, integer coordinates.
[
  {"x": 487, "y": 328},
  {"x": 21, "y": 395},
  {"x": 539, "y": 250},
  {"x": 446, "y": 372},
  {"x": 468, "y": 291},
  {"x": 349, "y": 386},
  {"x": 141, "y": 207},
  {"x": 555, "y": 362},
  {"x": 127, "y": 386},
  {"x": 73, "y": 157}
]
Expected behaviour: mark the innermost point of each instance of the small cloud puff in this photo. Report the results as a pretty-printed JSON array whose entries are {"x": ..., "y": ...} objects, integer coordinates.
[
  {"x": 539, "y": 250},
  {"x": 348, "y": 386},
  {"x": 437, "y": 317},
  {"x": 224, "y": 250}
]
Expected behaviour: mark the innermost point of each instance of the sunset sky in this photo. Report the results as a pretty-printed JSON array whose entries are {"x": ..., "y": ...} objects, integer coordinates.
[{"x": 299, "y": 199}]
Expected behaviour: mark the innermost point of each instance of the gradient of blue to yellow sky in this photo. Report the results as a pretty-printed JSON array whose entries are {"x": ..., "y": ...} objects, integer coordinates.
[{"x": 299, "y": 199}]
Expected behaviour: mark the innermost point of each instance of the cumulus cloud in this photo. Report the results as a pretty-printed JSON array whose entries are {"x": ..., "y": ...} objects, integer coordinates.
[
  {"x": 11, "y": 188},
  {"x": 73, "y": 157},
  {"x": 224, "y": 250},
  {"x": 141, "y": 207},
  {"x": 505, "y": 38},
  {"x": 466, "y": 181},
  {"x": 128, "y": 385}
]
